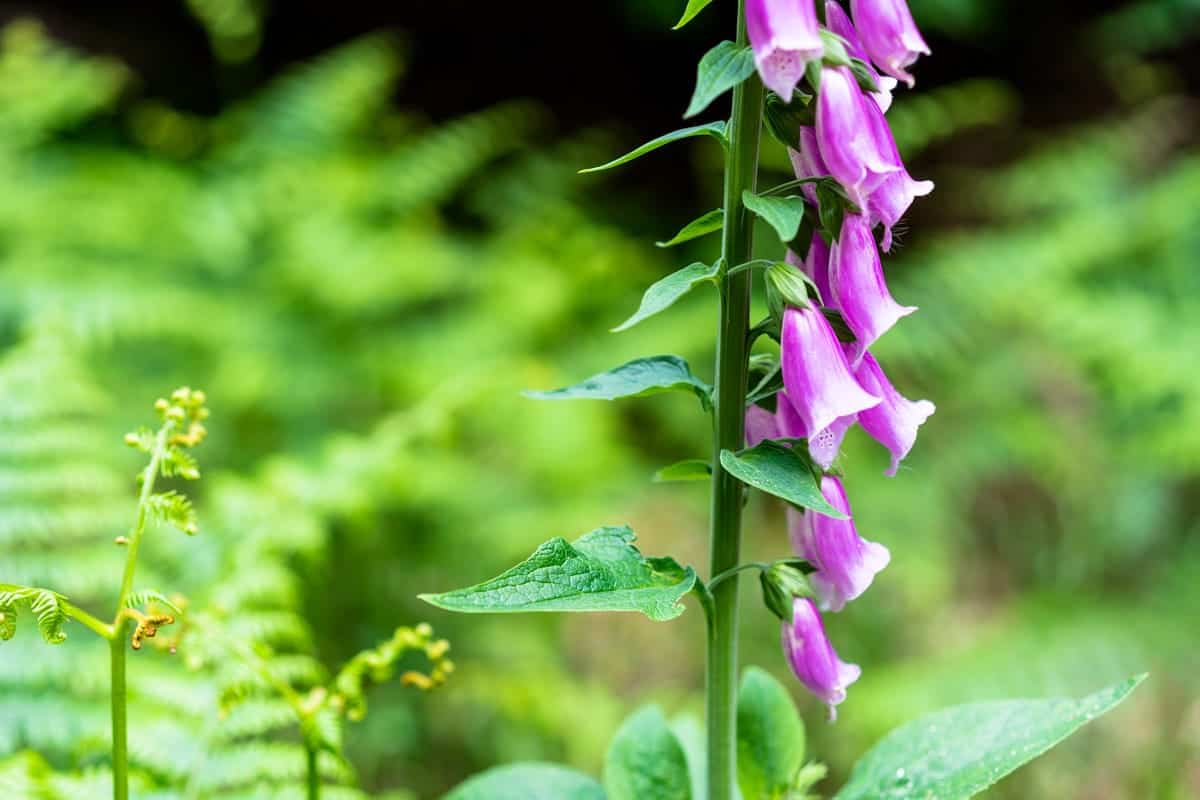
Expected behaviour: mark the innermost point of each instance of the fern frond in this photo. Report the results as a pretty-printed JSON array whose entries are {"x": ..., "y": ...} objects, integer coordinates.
[
  {"x": 174, "y": 509},
  {"x": 143, "y": 597},
  {"x": 47, "y": 608}
]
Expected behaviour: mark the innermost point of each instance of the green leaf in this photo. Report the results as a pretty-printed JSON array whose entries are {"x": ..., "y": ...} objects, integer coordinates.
[
  {"x": 645, "y": 760},
  {"x": 143, "y": 597},
  {"x": 781, "y": 213},
  {"x": 693, "y": 469},
  {"x": 694, "y": 7},
  {"x": 770, "y": 737},
  {"x": 175, "y": 510},
  {"x": 714, "y": 129},
  {"x": 663, "y": 294},
  {"x": 48, "y": 609},
  {"x": 601, "y": 571},
  {"x": 782, "y": 471},
  {"x": 638, "y": 378},
  {"x": 528, "y": 781},
  {"x": 959, "y": 752},
  {"x": 721, "y": 69},
  {"x": 712, "y": 221},
  {"x": 691, "y": 735}
]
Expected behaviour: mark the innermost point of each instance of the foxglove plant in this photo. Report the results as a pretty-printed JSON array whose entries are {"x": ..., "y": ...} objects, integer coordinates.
[{"x": 829, "y": 304}]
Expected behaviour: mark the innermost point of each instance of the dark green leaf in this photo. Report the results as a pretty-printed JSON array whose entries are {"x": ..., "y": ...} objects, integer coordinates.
[
  {"x": 663, "y": 294},
  {"x": 832, "y": 207},
  {"x": 784, "y": 120},
  {"x": 693, "y": 469},
  {"x": 782, "y": 471},
  {"x": 528, "y": 781},
  {"x": 959, "y": 752},
  {"x": 770, "y": 737},
  {"x": 710, "y": 222},
  {"x": 601, "y": 571},
  {"x": 781, "y": 213},
  {"x": 721, "y": 69},
  {"x": 714, "y": 129},
  {"x": 637, "y": 378},
  {"x": 646, "y": 761},
  {"x": 694, "y": 7}
]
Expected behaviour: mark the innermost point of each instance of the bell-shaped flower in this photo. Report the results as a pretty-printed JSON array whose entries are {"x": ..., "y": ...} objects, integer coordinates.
[
  {"x": 889, "y": 35},
  {"x": 846, "y": 563},
  {"x": 823, "y": 445},
  {"x": 891, "y": 198},
  {"x": 816, "y": 375},
  {"x": 838, "y": 22},
  {"x": 894, "y": 422},
  {"x": 857, "y": 285},
  {"x": 807, "y": 162},
  {"x": 846, "y": 137},
  {"x": 785, "y": 36},
  {"x": 813, "y": 659}
]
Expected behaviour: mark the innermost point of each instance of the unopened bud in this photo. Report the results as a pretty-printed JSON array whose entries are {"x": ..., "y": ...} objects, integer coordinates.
[{"x": 121, "y": 540}]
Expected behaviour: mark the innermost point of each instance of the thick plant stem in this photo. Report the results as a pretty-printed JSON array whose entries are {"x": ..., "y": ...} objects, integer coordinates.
[
  {"x": 314, "y": 777},
  {"x": 728, "y": 420},
  {"x": 120, "y": 747}
]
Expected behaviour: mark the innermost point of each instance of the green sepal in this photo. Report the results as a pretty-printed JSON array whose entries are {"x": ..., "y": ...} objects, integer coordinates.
[
  {"x": 701, "y": 226},
  {"x": 694, "y": 7},
  {"x": 638, "y": 378},
  {"x": 788, "y": 286},
  {"x": 784, "y": 214},
  {"x": 834, "y": 54},
  {"x": 663, "y": 293},
  {"x": 713, "y": 129},
  {"x": 785, "y": 472},
  {"x": 722, "y": 68},
  {"x": 864, "y": 75},
  {"x": 693, "y": 469},
  {"x": 781, "y": 584}
]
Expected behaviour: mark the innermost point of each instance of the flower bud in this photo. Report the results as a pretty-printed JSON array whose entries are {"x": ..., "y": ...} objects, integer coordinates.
[
  {"x": 837, "y": 21},
  {"x": 813, "y": 659}
]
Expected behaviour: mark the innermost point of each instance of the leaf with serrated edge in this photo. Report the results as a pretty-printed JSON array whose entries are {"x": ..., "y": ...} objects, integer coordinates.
[
  {"x": 528, "y": 781},
  {"x": 663, "y": 294},
  {"x": 701, "y": 226},
  {"x": 959, "y": 752},
  {"x": 784, "y": 214},
  {"x": 714, "y": 129},
  {"x": 770, "y": 737},
  {"x": 694, "y": 7},
  {"x": 600, "y": 571},
  {"x": 780, "y": 471},
  {"x": 694, "y": 469},
  {"x": 645, "y": 760},
  {"x": 638, "y": 378},
  {"x": 721, "y": 69}
]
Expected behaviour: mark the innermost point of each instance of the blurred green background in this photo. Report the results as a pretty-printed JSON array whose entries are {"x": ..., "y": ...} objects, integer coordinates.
[{"x": 362, "y": 233}]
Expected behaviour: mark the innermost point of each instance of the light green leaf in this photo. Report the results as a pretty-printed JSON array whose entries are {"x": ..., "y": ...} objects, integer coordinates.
[
  {"x": 713, "y": 129},
  {"x": 528, "y": 781},
  {"x": 782, "y": 471},
  {"x": 49, "y": 609},
  {"x": 784, "y": 214},
  {"x": 959, "y": 752},
  {"x": 693, "y": 469},
  {"x": 691, "y": 735},
  {"x": 721, "y": 69},
  {"x": 702, "y": 226},
  {"x": 694, "y": 7},
  {"x": 645, "y": 760},
  {"x": 143, "y": 597},
  {"x": 770, "y": 737},
  {"x": 638, "y": 378},
  {"x": 601, "y": 571},
  {"x": 663, "y": 294}
]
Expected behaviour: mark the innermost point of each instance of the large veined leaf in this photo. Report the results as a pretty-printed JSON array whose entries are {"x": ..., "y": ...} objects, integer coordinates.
[
  {"x": 645, "y": 760},
  {"x": 662, "y": 294},
  {"x": 637, "y": 378},
  {"x": 713, "y": 129},
  {"x": 529, "y": 781},
  {"x": 721, "y": 69},
  {"x": 959, "y": 752},
  {"x": 770, "y": 738},
  {"x": 600, "y": 571},
  {"x": 781, "y": 471}
]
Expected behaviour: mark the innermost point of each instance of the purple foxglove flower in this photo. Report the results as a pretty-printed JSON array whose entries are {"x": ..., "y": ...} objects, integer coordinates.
[
  {"x": 815, "y": 372},
  {"x": 784, "y": 35},
  {"x": 889, "y": 35},
  {"x": 760, "y": 425},
  {"x": 813, "y": 659},
  {"x": 846, "y": 563},
  {"x": 857, "y": 284},
  {"x": 837, "y": 21},
  {"x": 894, "y": 422},
  {"x": 807, "y": 161},
  {"x": 845, "y": 135},
  {"x": 823, "y": 445},
  {"x": 891, "y": 198}
]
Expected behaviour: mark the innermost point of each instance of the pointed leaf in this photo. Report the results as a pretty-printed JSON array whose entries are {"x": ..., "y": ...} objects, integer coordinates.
[
  {"x": 770, "y": 737},
  {"x": 528, "y": 781},
  {"x": 959, "y": 752},
  {"x": 721, "y": 69},
  {"x": 782, "y": 471},
  {"x": 784, "y": 214},
  {"x": 601, "y": 571},
  {"x": 702, "y": 226},
  {"x": 637, "y": 378},
  {"x": 694, "y": 469},
  {"x": 714, "y": 129},
  {"x": 645, "y": 760},
  {"x": 663, "y": 294},
  {"x": 694, "y": 7}
]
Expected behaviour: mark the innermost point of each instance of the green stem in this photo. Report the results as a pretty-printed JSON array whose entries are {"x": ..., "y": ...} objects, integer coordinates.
[
  {"x": 314, "y": 778},
  {"x": 120, "y": 746},
  {"x": 729, "y": 573},
  {"x": 99, "y": 628},
  {"x": 728, "y": 420}
]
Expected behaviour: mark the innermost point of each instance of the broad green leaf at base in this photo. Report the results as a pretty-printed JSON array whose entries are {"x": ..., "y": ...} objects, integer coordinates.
[
  {"x": 600, "y": 571},
  {"x": 645, "y": 761},
  {"x": 528, "y": 781},
  {"x": 770, "y": 738},
  {"x": 959, "y": 752}
]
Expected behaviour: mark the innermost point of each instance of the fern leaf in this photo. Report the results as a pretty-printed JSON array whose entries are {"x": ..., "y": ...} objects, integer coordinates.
[
  {"x": 46, "y": 606},
  {"x": 174, "y": 509}
]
